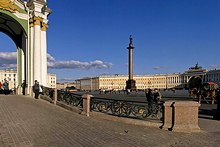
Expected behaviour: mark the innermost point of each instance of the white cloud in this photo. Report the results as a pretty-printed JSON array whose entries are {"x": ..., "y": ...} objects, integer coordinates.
[
  {"x": 157, "y": 67},
  {"x": 50, "y": 58},
  {"x": 79, "y": 65},
  {"x": 8, "y": 57},
  {"x": 9, "y": 60}
]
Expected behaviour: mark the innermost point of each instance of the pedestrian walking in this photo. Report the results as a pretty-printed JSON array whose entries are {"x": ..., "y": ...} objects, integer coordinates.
[
  {"x": 128, "y": 91},
  {"x": 146, "y": 91},
  {"x": 157, "y": 96},
  {"x": 150, "y": 100},
  {"x": 217, "y": 114},
  {"x": 23, "y": 85},
  {"x": 36, "y": 89},
  {"x": 1, "y": 85},
  {"x": 1, "y": 90},
  {"x": 156, "y": 101},
  {"x": 6, "y": 87}
]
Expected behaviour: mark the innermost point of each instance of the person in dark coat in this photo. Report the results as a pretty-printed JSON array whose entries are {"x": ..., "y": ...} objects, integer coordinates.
[
  {"x": 23, "y": 85},
  {"x": 217, "y": 115},
  {"x": 36, "y": 89},
  {"x": 150, "y": 100},
  {"x": 6, "y": 87}
]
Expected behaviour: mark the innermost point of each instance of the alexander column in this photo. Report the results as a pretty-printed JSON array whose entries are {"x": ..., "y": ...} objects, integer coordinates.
[{"x": 130, "y": 83}]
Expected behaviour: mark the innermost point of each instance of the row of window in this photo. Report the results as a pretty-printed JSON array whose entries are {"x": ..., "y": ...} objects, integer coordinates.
[{"x": 10, "y": 75}]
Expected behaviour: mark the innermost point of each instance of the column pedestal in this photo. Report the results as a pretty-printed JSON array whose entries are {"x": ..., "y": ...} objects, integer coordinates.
[{"x": 130, "y": 84}]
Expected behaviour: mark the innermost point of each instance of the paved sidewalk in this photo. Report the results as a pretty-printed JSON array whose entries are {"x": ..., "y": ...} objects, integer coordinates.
[{"x": 27, "y": 122}]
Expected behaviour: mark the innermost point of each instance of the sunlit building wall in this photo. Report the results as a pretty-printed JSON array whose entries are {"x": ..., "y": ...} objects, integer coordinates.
[
  {"x": 52, "y": 80},
  {"x": 118, "y": 82},
  {"x": 160, "y": 81},
  {"x": 11, "y": 77}
]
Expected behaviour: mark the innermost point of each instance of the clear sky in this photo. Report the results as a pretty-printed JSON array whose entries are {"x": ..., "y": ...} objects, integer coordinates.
[{"x": 89, "y": 37}]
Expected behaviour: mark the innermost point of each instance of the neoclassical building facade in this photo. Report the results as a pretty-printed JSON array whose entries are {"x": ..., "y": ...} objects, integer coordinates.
[
  {"x": 160, "y": 81},
  {"x": 11, "y": 77}
]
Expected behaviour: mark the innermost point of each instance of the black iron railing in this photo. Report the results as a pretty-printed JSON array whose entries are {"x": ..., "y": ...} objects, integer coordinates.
[
  {"x": 128, "y": 108},
  {"x": 121, "y": 108},
  {"x": 48, "y": 92},
  {"x": 69, "y": 98}
]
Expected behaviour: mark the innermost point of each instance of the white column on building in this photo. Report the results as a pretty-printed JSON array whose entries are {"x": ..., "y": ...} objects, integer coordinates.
[
  {"x": 23, "y": 59},
  {"x": 31, "y": 56},
  {"x": 38, "y": 12},
  {"x": 37, "y": 49},
  {"x": 44, "y": 54}
]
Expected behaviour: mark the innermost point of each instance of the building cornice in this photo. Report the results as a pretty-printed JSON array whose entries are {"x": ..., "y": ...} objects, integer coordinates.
[{"x": 8, "y": 6}]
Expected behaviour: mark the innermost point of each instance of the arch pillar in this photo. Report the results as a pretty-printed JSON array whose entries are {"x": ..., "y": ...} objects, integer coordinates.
[
  {"x": 38, "y": 41},
  {"x": 25, "y": 22}
]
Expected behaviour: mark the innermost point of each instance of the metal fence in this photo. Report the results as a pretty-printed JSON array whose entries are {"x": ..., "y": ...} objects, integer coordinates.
[
  {"x": 121, "y": 108},
  {"x": 69, "y": 98},
  {"x": 132, "y": 109},
  {"x": 47, "y": 92}
]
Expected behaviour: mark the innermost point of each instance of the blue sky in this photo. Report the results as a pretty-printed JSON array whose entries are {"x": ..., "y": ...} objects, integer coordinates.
[{"x": 91, "y": 36}]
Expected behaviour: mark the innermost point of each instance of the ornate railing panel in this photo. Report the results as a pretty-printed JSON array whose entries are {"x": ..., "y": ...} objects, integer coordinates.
[
  {"x": 48, "y": 92},
  {"x": 128, "y": 108},
  {"x": 69, "y": 98}
]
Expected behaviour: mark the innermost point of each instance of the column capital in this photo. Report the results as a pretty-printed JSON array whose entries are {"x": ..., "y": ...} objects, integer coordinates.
[
  {"x": 44, "y": 26},
  {"x": 31, "y": 22},
  {"x": 37, "y": 20}
]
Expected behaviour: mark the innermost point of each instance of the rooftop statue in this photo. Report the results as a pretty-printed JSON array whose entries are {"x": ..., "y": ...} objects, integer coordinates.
[
  {"x": 131, "y": 42},
  {"x": 196, "y": 67},
  {"x": 131, "y": 39}
]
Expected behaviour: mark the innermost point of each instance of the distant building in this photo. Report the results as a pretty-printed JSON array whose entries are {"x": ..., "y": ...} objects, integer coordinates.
[
  {"x": 160, "y": 81},
  {"x": 213, "y": 75},
  {"x": 11, "y": 77},
  {"x": 52, "y": 80},
  {"x": 64, "y": 85}
]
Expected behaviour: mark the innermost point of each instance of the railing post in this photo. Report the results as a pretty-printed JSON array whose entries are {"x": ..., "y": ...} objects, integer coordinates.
[
  {"x": 168, "y": 115},
  {"x": 86, "y": 104},
  {"x": 185, "y": 117},
  {"x": 55, "y": 96}
]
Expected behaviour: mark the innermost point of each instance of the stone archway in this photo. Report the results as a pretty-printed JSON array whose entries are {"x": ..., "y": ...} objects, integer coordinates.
[{"x": 25, "y": 22}]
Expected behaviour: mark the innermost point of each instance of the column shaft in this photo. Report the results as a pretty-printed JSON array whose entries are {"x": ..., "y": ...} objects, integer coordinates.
[
  {"x": 44, "y": 58},
  {"x": 130, "y": 69},
  {"x": 37, "y": 53}
]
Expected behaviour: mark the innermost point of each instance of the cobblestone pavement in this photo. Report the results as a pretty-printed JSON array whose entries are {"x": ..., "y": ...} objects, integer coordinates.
[{"x": 27, "y": 122}]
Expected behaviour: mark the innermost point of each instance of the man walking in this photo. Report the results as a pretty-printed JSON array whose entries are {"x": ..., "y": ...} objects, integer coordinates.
[
  {"x": 23, "y": 85},
  {"x": 150, "y": 98},
  {"x": 6, "y": 87},
  {"x": 36, "y": 89},
  {"x": 217, "y": 115}
]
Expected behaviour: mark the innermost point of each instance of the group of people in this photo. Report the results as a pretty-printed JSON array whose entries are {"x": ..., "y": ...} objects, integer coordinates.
[
  {"x": 36, "y": 88},
  {"x": 153, "y": 98},
  {"x": 5, "y": 87}
]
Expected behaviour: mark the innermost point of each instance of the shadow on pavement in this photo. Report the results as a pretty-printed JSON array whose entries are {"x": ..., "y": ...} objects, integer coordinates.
[{"x": 206, "y": 113}]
